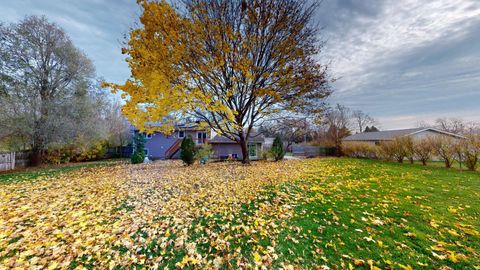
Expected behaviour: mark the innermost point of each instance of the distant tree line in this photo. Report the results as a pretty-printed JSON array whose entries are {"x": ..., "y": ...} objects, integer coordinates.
[
  {"x": 328, "y": 127},
  {"x": 447, "y": 149}
]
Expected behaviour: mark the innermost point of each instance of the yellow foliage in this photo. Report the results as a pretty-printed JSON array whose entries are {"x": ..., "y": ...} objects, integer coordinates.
[{"x": 192, "y": 62}]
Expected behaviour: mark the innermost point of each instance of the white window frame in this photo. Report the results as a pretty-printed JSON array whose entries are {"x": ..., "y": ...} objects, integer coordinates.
[
  {"x": 197, "y": 140},
  {"x": 181, "y": 137},
  {"x": 148, "y": 136}
]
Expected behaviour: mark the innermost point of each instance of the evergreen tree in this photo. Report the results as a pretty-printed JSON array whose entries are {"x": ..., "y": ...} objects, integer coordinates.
[
  {"x": 367, "y": 129},
  {"x": 187, "y": 151},
  {"x": 277, "y": 148},
  {"x": 373, "y": 129},
  {"x": 139, "y": 149}
]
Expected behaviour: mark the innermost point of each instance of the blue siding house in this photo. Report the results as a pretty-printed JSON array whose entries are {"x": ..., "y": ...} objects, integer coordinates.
[{"x": 160, "y": 146}]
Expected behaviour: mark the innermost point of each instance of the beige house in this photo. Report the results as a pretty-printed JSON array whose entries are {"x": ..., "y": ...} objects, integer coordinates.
[{"x": 388, "y": 135}]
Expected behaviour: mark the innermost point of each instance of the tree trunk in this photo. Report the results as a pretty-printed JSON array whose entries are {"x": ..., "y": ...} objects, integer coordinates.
[
  {"x": 243, "y": 146},
  {"x": 424, "y": 162},
  {"x": 39, "y": 135},
  {"x": 448, "y": 164},
  {"x": 36, "y": 157}
]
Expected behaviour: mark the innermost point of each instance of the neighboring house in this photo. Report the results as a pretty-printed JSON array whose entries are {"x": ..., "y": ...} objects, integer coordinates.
[
  {"x": 268, "y": 142},
  {"x": 160, "y": 146},
  {"x": 223, "y": 147},
  {"x": 389, "y": 135}
]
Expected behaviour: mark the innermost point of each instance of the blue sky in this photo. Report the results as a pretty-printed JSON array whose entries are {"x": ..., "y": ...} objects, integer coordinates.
[{"x": 403, "y": 62}]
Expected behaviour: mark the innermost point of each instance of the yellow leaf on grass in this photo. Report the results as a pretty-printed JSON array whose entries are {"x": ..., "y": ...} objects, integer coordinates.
[
  {"x": 405, "y": 267},
  {"x": 257, "y": 258}
]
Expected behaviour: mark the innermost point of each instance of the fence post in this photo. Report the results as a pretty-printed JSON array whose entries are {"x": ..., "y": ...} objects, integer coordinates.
[{"x": 12, "y": 161}]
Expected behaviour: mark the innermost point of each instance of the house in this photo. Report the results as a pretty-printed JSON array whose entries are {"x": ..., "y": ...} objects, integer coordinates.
[
  {"x": 389, "y": 135},
  {"x": 223, "y": 147},
  {"x": 160, "y": 146}
]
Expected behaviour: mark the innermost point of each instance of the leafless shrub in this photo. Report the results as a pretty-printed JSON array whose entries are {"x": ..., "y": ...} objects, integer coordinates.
[
  {"x": 423, "y": 150},
  {"x": 471, "y": 151},
  {"x": 359, "y": 150},
  {"x": 444, "y": 148}
]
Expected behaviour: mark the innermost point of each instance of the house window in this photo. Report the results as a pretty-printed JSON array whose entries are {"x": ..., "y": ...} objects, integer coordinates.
[
  {"x": 148, "y": 136},
  {"x": 181, "y": 134},
  {"x": 146, "y": 152},
  {"x": 201, "y": 137},
  {"x": 252, "y": 150}
]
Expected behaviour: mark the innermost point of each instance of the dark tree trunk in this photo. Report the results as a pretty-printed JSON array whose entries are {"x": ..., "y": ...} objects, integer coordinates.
[
  {"x": 39, "y": 135},
  {"x": 244, "y": 148},
  {"x": 36, "y": 157},
  {"x": 448, "y": 163},
  {"x": 424, "y": 162}
]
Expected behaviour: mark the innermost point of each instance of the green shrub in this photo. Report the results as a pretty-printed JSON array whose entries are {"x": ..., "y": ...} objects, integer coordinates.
[
  {"x": 277, "y": 149},
  {"x": 187, "y": 151},
  {"x": 139, "y": 150},
  {"x": 137, "y": 158},
  {"x": 204, "y": 153}
]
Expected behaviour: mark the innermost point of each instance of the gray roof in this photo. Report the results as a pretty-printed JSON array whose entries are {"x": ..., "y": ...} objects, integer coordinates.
[
  {"x": 254, "y": 137},
  {"x": 388, "y": 135}
]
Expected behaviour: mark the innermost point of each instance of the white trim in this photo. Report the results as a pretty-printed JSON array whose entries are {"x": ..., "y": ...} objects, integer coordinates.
[
  {"x": 178, "y": 135},
  {"x": 148, "y": 136},
  {"x": 437, "y": 130}
]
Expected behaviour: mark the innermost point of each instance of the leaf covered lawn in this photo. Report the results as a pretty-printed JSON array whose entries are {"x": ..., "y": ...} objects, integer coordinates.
[{"x": 318, "y": 213}]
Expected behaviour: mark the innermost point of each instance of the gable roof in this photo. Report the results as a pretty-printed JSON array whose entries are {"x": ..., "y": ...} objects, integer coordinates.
[
  {"x": 254, "y": 138},
  {"x": 388, "y": 135}
]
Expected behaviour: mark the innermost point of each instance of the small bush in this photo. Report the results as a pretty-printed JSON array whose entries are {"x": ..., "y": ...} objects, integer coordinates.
[
  {"x": 444, "y": 148},
  {"x": 471, "y": 152},
  {"x": 137, "y": 158},
  {"x": 423, "y": 150},
  {"x": 96, "y": 151},
  {"x": 359, "y": 150},
  {"x": 277, "y": 149},
  {"x": 139, "y": 150},
  {"x": 204, "y": 153},
  {"x": 57, "y": 155},
  {"x": 386, "y": 150},
  {"x": 187, "y": 151},
  {"x": 266, "y": 154}
]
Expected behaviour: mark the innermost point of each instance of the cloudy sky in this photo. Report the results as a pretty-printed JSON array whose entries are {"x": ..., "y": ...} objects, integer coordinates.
[{"x": 403, "y": 62}]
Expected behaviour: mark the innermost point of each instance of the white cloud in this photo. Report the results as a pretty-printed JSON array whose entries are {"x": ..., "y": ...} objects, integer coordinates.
[{"x": 401, "y": 27}]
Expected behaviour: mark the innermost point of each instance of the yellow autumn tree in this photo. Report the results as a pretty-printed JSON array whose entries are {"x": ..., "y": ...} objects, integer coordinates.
[{"x": 228, "y": 63}]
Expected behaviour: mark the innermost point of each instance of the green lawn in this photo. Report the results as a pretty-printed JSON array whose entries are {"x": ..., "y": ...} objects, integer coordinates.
[{"x": 397, "y": 215}]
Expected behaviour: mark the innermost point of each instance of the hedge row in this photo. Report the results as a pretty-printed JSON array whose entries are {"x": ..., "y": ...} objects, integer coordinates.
[{"x": 446, "y": 149}]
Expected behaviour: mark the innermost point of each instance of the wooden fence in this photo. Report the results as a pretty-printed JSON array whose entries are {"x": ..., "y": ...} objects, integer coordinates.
[
  {"x": 7, "y": 161},
  {"x": 12, "y": 160}
]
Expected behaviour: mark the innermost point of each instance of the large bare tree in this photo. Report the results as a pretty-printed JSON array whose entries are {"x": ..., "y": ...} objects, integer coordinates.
[
  {"x": 338, "y": 122},
  {"x": 41, "y": 74},
  {"x": 362, "y": 120}
]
